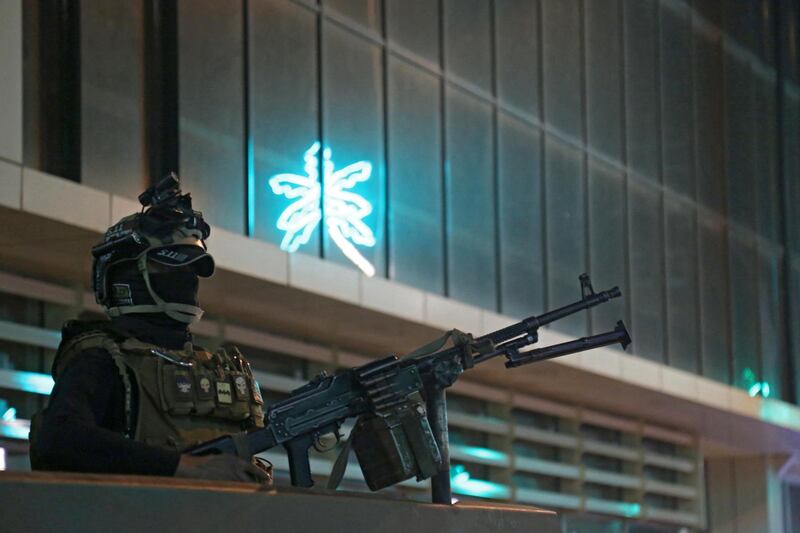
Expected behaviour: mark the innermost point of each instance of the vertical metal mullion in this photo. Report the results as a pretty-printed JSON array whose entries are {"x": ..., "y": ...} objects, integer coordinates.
[
  {"x": 320, "y": 130},
  {"x": 249, "y": 151},
  {"x": 542, "y": 159},
  {"x": 757, "y": 238},
  {"x": 587, "y": 245},
  {"x": 60, "y": 88},
  {"x": 496, "y": 160},
  {"x": 698, "y": 300},
  {"x": 726, "y": 207},
  {"x": 443, "y": 149},
  {"x": 161, "y": 87},
  {"x": 624, "y": 156},
  {"x": 385, "y": 110},
  {"x": 662, "y": 191},
  {"x": 784, "y": 304}
]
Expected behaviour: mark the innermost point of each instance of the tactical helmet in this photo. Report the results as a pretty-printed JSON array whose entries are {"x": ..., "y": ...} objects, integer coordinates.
[{"x": 167, "y": 232}]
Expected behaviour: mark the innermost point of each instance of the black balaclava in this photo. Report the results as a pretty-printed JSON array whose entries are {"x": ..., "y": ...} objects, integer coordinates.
[{"x": 127, "y": 287}]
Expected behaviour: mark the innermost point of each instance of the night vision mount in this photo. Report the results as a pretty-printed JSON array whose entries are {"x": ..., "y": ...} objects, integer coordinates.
[{"x": 166, "y": 192}]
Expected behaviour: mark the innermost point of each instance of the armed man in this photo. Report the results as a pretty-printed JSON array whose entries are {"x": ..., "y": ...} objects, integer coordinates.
[{"x": 134, "y": 391}]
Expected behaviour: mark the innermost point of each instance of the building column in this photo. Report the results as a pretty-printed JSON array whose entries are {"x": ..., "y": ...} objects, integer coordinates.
[
  {"x": 745, "y": 495},
  {"x": 11, "y": 80}
]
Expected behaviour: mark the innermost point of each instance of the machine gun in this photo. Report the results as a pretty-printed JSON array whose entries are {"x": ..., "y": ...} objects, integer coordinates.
[{"x": 401, "y": 431}]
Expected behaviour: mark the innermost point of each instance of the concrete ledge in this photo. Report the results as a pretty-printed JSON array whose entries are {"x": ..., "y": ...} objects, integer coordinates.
[
  {"x": 243, "y": 255},
  {"x": 447, "y": 314},
  {"x": 393, "y": 298},
  {"x": 10, "y": 185},
  {"x": 65, "y": 201},
  {"x": 323, "y": 277},
  {"x": 87, "y": 503}
]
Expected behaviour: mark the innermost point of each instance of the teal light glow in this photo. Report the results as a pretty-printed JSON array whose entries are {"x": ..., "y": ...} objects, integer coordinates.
[
  {"x": 10, "y": 414},
  {"x": 754, "y": 387},
  {"x": 631, "y": 510},
  {"x": 483, "y": 453},
  {"x": 32, "y": 382},
  {"x": 780, "y": 413},
  {"x": 762, "y": 388},
  {"x": 15, "y": 429},
  {"x": 458, "y": 474},
  {"x": 344, "y": 211},
  {"x": 462, "y": 484},
  {"x": 251, "y": 189}
]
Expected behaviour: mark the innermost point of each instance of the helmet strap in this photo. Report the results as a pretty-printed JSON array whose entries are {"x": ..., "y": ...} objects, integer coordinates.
[{"x": 185, "y": 313}]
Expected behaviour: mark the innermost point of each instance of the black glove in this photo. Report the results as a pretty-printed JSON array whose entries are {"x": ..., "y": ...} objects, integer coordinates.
[{"x": 223, "y": 467}]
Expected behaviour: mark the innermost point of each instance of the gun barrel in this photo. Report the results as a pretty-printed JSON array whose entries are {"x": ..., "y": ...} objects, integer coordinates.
[
  {"x": 618, "y": 335},
  {"x": 535, "y": 322},
  {"x": 585, "y": 303}
]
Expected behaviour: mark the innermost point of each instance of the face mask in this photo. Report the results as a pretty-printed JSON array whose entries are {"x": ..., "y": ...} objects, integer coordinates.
[
  {"x": 128, "y": 286},
  {"x": 177, "y": 286}
]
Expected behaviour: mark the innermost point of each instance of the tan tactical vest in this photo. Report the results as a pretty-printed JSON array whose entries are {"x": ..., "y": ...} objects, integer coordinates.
[{"x": 185, "y": 397}]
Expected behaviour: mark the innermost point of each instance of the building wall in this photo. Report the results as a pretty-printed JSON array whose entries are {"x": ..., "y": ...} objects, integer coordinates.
[
  {"x": 11, "y": 81},
  {"x": 514, "y": 145}
]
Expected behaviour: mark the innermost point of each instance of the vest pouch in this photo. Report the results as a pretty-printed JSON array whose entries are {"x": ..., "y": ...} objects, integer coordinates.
[
  {"x": 223, "y": 397},
  {"x": 205, "y": 391},
  {"x": 177, "y": 388},
  {"x": 240, "y": 409}
]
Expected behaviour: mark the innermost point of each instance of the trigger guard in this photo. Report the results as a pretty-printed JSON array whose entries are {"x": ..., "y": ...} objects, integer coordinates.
[{"x": 321, "y": 446}]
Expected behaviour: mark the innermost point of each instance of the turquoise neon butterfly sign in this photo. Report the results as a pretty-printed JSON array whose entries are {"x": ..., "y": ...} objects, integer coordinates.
[{"x": 344, "y": 210}]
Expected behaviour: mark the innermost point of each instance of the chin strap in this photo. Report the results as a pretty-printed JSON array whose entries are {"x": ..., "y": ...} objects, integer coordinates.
[{"x": 185, "y": 313}]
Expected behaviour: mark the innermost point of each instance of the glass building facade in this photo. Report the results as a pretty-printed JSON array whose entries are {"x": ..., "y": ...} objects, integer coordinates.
[{"x": 514, "y": 144}]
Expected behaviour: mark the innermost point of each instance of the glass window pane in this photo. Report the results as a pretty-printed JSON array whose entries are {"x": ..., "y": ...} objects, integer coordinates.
[
  {"x": 414, "y": 25},
  {"x": 765, "y": 156},
  {"x": 739, "y": 141},
  {"x": 791, "y": 165},
  {"x": 353, "y": 129},
  {"x": 365, "y": 12},
  {"x": 682, "y": 316},
  {"x": 772, "y": 330},
  {"x": 641, "y": 87},
  {"x": 112, "y": 97},
  {"x": 566, "y": 230},
  {"x": 744, "y": 311},
  {"x": 470, "y": 201},
  {"x": 416, "y": 254},
  {"x": 740, "y": 22},
  {"x": 517, "y": 54},
  {"x": 709, "y": 125},
  {"x": 647, "y": 269},
  {"x": 468, "y": 41},
  {"x": 676, "y": 99},
  {"x": 714, "y": 299},
  {"x": 607, "y": 241},
  {"x": 562, "y": 65},
  {"x": 211, "y": 120},
  {"x": 520, "y": 217},
  {"x": 283, "y": 106},
  {"x": 604, "y": 77},
  {"x": 794, "y": 302}
]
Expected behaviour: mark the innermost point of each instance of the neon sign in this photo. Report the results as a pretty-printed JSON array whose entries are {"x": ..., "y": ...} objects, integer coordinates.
[
  {"x": 343, "y": 210},
  {"x": 755, "y": 388}
]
